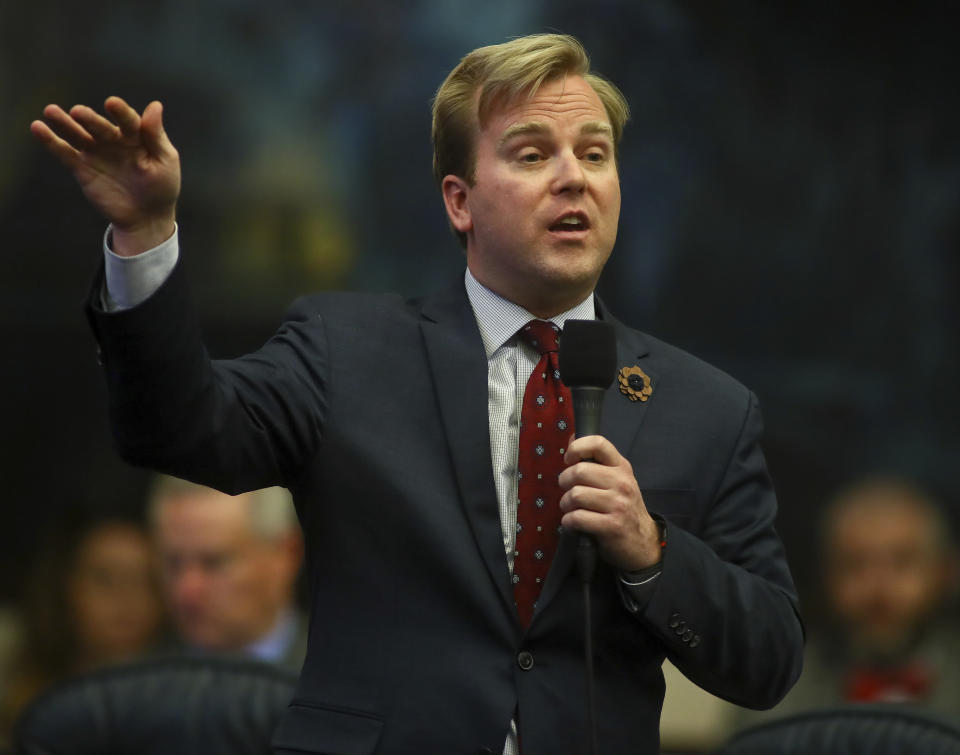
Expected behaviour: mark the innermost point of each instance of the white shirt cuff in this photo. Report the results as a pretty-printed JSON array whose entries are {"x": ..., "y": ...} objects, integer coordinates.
[{"x": 131, "y": 280}]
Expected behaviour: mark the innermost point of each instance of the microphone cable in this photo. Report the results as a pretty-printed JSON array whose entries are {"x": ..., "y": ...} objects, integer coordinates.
[{"x": 587, "y": 566}]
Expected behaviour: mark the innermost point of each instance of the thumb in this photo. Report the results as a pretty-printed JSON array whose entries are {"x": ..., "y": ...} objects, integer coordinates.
[{"x": 154, "y": 136}]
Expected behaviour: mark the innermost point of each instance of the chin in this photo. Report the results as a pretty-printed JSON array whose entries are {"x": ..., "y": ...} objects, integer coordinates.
[{"x": 571, "y": 278}]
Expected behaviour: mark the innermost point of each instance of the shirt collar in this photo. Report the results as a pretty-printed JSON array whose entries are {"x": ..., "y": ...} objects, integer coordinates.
[
  {"x": 500, "y": 319},
  {"x": 274, "y": 645}
]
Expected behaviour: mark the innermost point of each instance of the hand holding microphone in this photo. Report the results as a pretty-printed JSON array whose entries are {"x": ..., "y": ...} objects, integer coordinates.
[{"x": 602, "y": 500}]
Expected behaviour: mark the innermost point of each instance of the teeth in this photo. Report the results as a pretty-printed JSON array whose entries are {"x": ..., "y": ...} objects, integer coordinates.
[{"x": 570, "y": 221}]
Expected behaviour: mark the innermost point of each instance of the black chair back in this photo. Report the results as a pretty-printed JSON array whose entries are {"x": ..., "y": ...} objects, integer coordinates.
[
  {"x": 851, "y": 730},
  {"x": 182, "y": 705}
]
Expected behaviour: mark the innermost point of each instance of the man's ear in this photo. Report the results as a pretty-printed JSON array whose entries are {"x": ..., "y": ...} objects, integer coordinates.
[{"x": 455, "y": 195}]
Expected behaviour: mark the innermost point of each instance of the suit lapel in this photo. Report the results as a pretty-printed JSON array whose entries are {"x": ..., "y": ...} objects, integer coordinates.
[
  {"x": 622, "y": 417},
  {"x": 459, "y": 367},
  {"x": 620, "y": 424}
]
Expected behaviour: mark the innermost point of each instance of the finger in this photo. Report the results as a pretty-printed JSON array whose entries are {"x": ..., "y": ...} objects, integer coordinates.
[
  {"x": 126, "y": 118},
  {"x": 588, "y": 474},
  {"x": 66, "y": 128},
  {"x": 154, "y": 136},
  {"x": 99, "y": 127},
  {"x": 585, "y": 520},
  {"x": 53, "y": 143},
  {"x": 598, "y": 500},
  {"x": 593, "y": 447}
]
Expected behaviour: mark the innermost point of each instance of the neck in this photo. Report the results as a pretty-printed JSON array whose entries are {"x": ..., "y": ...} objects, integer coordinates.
[{"x": 542, "y": 304}]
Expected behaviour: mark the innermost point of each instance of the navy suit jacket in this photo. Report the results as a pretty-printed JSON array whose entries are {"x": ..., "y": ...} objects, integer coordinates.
[{"x": 372, "y": 409}]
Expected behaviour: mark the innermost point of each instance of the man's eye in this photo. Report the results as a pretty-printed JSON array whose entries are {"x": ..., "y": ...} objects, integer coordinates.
[
  {"x": 595, "y": 157},
  {"x": 530, "y": 157}
]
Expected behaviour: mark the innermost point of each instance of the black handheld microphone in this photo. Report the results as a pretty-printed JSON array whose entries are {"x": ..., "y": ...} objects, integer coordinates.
[{"x": 588, "y": 362}]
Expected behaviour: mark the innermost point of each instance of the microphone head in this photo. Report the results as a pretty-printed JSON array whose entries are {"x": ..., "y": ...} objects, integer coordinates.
[{"x": 588, "y": 354}]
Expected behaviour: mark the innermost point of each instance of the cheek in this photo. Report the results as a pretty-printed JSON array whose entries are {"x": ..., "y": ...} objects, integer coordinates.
[
  {"x": 82, "y": 608},
  {"x": 917, "y": 589},
  {"x": 94, "y": 613},
  {"x": 246, "y": 580},
  {"x": 848, "y": 593},
  {"x": 611, "y": 198},
  {"x": 504, "y": 200}
]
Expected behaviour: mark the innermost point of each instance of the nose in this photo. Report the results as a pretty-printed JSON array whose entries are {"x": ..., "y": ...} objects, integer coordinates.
[
  {"x": 189, "y": 587},
  {"x": 569, "y": 175}
]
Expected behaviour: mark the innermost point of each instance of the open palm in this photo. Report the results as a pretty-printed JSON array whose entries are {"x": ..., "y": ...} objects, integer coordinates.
[{"x": 126, "y": 166}]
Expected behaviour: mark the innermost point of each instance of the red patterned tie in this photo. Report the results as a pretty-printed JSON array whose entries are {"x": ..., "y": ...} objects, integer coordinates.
[{"x": 546, "y": 422}]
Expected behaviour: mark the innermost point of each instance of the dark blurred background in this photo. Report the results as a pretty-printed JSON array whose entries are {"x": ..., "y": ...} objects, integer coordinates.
[{"x": 791, "y": 188}]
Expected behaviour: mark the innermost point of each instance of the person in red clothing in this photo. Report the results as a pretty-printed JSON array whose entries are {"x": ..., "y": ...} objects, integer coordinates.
[
  {"x": 890, "y": 576},
  {"x": 889, "y": 572}
]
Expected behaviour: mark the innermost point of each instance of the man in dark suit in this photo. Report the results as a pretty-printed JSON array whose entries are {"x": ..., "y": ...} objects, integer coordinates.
[{"x": 410, "y": 486}]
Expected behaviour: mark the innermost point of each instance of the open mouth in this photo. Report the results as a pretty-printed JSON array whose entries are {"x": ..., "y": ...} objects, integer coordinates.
[{"x": 570, "y": 222}]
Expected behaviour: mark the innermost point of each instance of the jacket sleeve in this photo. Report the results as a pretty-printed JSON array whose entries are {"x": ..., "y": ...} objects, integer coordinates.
[
  {"x": 724, "y": 606},
  {"x": 234, "y": 425}
]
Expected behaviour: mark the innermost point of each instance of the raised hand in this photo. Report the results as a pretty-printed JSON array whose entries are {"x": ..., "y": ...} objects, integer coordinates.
[{"x": 126, "y": 166}]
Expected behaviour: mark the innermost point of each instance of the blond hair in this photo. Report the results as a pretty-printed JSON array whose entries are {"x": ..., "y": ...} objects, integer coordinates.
[{"x": 502, "y": 74}]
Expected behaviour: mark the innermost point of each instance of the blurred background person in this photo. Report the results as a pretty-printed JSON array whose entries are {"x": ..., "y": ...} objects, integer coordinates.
[
  {"x": 230, "y": 566},
  {"x": 890, "y": 577},
  {"x": 93, "y": 599},
  {"x": 890, "y": 586},
  {"x": 889, "y": 631}
]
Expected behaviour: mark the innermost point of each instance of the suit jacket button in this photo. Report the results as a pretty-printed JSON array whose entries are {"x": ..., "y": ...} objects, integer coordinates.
[
  {"x": 687, "y": 636},
  {"x": 695, "y": 641},
  {"x": 674, "y": 620},
  {"x": 525, "y": 660},
  {"x": 680, "y": 628}
]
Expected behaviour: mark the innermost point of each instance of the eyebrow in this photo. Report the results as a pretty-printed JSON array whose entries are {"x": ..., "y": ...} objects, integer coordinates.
[
  {"x": 523, "y": 129},
  {"x": 538, "y": 128},
  {"x": 597, "y": 127}
]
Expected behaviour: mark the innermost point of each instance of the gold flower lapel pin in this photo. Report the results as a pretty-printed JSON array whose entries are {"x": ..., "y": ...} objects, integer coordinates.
[{"x": 635, "y": 383}]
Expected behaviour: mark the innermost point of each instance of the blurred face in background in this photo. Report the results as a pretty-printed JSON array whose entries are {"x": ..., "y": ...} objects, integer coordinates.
[
  {"x": 887, "y": 571},
  {"x": 113, "y": 594},
  {"x": 226, "y": 586}
]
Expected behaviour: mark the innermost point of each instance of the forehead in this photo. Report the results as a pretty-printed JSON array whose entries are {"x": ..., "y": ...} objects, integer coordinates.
[
  {"x": 203, "y": 517},
  {"x": 113, "y": 540},
  {"x": 881, "y": 524},
  {"x": 561, "y": 101}
]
